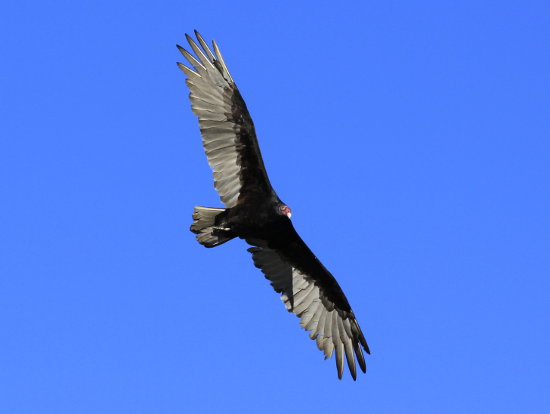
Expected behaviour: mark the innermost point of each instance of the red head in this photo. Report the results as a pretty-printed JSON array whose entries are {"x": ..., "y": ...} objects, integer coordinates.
[{"x": 285, "y": 210}]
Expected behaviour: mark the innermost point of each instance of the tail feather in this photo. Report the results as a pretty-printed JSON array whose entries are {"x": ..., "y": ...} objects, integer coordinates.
[{"x": 204, "y": 226}]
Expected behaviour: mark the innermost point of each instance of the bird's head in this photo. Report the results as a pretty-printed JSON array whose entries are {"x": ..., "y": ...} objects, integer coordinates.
[{"x": 284, "y": 210}]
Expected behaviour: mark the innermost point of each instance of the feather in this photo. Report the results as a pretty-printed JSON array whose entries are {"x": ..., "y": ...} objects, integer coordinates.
[
  {"x": 305, "y": 303},
  {"x": 204, "y": 46},
  {"x": 190, "y": 58},
  {"x": 310, "y": 313},
  {"x": 220, "y": 58},
  {"x": 320, "y": 329},
  {"x": 360, "y": 356},
  {"x": 328, "y": 347},
  {"x": 188, "y": 71},
  {"x": 346, "y": 340},
  {"x": 199, "y": 53},
  {"x": 314, "y": 322}
]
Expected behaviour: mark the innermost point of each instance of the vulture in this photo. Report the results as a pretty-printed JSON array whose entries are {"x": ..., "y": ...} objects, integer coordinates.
[{"x": 255, "y": 213}]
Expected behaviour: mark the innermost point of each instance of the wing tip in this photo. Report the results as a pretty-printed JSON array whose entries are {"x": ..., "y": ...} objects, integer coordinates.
[
  {"x": 339, "y": 368},
  {"x": 364, "y": 343}
]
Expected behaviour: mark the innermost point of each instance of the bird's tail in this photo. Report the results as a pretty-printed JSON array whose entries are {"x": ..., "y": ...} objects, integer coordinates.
[{"x": 204, "y": 226}]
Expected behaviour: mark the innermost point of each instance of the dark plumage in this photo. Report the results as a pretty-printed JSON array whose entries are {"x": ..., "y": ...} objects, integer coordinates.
[{"x": 255, "y": 213}]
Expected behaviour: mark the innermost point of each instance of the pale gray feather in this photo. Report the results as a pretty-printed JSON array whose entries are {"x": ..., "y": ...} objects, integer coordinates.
[
  {"x": 333, "y": 330},
  {"x": 211, "y": 94}
]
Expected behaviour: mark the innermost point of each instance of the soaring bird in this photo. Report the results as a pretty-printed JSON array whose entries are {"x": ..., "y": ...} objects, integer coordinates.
[{"x": 255, "y": 213}]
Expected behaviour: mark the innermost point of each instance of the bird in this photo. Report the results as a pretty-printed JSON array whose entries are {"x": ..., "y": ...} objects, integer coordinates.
[{"x": 255, "y": 213}]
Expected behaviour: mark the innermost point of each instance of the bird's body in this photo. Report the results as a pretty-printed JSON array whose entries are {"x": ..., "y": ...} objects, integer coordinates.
[
  {"x": 253, "y": 219},
  {"x": 256, "y": 214}
]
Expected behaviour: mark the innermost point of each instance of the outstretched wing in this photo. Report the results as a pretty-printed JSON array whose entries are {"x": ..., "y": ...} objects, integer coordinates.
[
  {"x": 312, "y": 293},
  {"x": 227, "y": 130}
]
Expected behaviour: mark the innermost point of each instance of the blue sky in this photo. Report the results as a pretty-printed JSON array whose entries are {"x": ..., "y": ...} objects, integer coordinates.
[{"x": 411, "y": 139}]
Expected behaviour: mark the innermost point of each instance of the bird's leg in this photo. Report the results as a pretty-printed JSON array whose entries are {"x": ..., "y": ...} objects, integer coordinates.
[
  {"x": 221, "y": 228},
  {"x": 222, "y": 231}
]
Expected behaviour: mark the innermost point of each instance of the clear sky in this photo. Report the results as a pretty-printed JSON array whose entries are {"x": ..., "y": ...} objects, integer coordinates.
[{"x": 411, "y": 140}]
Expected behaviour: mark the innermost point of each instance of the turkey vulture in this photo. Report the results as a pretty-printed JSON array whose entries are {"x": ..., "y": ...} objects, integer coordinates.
[{"x": 256, "y": 214}]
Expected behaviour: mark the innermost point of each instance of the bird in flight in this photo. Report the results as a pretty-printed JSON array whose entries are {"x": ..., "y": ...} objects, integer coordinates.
[{"x": 256, "y": 214}]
